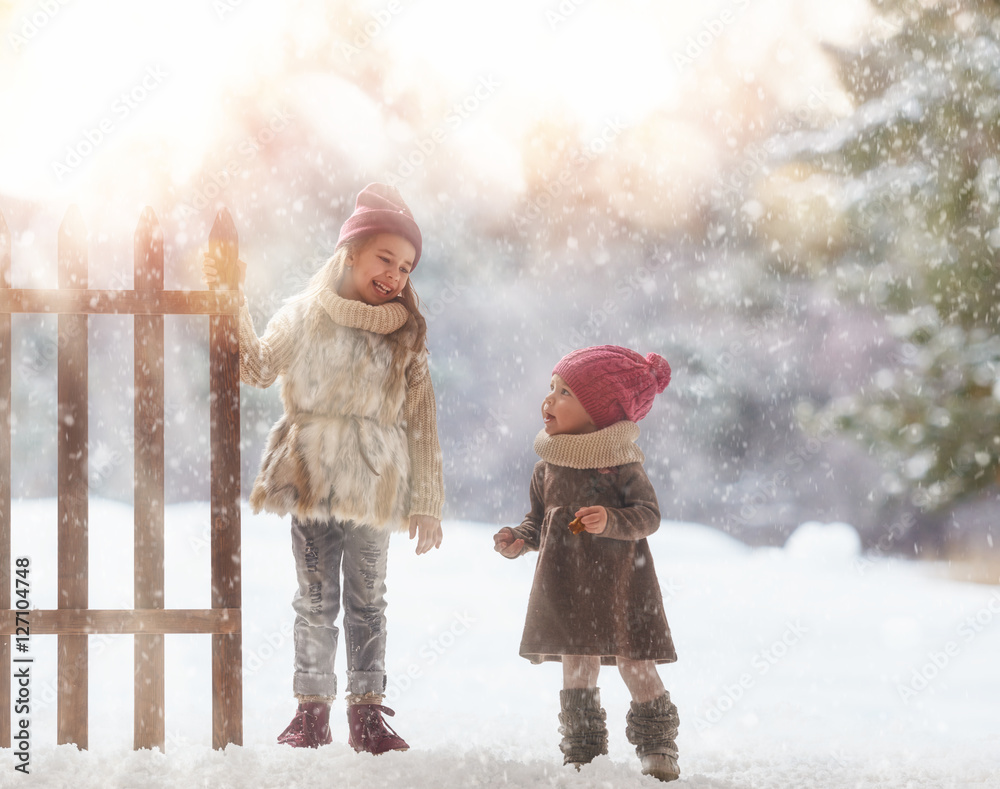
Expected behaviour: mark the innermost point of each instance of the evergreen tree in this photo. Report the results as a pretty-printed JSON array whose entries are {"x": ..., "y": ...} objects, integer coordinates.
[{"x": 916, "y": 169}]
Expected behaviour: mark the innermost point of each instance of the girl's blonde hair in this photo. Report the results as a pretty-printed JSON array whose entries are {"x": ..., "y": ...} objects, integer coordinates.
[{"x": 332, "y": 273}]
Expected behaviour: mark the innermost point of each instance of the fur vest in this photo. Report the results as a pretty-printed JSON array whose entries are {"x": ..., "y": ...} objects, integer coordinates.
[{"x": 340, "y": 450}]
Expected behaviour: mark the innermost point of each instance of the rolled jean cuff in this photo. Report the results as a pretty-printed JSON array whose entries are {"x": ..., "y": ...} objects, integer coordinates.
[
  {"x": 304, "y": 684},
  {"x": 361, "y": 682}
]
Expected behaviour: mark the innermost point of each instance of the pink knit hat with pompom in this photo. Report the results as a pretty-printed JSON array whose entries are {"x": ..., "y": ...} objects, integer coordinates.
[
  {"x": 613, "y": 383},
  {"x": 380, "y": 209}
]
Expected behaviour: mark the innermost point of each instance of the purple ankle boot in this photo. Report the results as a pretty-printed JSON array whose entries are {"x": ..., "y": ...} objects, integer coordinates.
[
  {"x": 310, "y": 727},
  {"x": 369, "y": 732}
]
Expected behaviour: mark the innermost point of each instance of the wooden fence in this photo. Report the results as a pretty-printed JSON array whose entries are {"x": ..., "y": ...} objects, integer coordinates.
[{"x": 73, "y": 621}]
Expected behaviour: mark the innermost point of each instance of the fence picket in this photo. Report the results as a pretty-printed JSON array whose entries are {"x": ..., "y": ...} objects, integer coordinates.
[
  {"x": 149, "y": 450},
  {"x": 224, "y": 361},
  {"x": 73, "y": 561}
]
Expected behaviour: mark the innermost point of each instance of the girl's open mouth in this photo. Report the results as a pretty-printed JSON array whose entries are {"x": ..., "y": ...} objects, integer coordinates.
[{"x": 385, "y": 290}]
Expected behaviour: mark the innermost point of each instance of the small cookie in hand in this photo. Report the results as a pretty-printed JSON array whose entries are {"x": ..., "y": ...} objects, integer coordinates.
[{"x": 576, "y": 526}]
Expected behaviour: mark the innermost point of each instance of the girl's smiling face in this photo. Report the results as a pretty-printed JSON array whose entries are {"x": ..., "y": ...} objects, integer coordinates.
[
  {"x": 562, "y": 412},
  {"x": 378, "y": 271}
]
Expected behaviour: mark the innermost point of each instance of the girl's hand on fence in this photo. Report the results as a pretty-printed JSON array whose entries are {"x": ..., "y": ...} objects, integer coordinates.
[
  {"x": 595, "y": 519},
  {"x": 429, "y": 531},
  {"x": 210, "y": 270},
  {"x": 505, "y": 543}
]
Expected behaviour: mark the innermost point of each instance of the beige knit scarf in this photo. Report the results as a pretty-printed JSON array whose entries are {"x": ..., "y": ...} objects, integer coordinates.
[
  {"x": 612, "y": 446},
  {"x": 381, "y": 319}
]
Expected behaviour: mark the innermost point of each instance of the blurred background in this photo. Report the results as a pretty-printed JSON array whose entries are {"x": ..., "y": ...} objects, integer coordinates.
[{"x": 797, "y": 204}]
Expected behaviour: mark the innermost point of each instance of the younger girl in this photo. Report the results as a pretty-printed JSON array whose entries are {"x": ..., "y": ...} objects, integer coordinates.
[
  {"x": 354, "y": 456},
  {"x": 595, "y": 599}
]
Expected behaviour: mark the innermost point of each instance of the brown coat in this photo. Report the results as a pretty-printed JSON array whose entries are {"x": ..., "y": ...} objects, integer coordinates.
[{"x": 594, "y": 594}]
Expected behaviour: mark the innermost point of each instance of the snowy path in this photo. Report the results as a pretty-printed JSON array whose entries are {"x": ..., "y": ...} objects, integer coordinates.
[{"x": 803, "y": 667}]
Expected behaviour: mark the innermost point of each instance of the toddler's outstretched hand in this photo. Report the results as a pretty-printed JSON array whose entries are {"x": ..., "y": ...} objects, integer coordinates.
[
  {"x": 506, "y": 544},
  {"x": 595, "y": 519}
]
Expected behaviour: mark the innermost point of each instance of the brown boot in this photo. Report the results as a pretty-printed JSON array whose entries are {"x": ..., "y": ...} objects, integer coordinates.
[
  {"x": 368, "y": 731},
  {"x": 652, "y": 728},
  {"x": 583, "y": 727}
]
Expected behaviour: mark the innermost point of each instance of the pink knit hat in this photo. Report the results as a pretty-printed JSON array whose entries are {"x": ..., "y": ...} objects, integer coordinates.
[
  {"x": 613, "y": 383},
  {"x": 380, "y": 209}
]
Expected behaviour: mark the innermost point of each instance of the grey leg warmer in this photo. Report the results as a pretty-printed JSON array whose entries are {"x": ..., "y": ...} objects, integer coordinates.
[
  {"x": 583, "y": 725},
  {"x": 652, "y": 727}
]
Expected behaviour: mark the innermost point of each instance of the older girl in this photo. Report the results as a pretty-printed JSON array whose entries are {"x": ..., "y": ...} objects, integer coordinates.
[{"x": 354, "y": 456}]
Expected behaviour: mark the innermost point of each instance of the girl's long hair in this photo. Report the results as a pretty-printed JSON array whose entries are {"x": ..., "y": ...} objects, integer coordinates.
[{"x": 332, "y": 273}]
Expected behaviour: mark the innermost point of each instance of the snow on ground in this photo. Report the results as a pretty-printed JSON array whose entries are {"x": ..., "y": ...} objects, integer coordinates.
[{"x": 809, "y": 666}]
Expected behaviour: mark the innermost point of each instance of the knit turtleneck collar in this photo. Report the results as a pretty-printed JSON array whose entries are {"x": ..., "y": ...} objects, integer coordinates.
[
  {"x": 612, "y": 446},
  {"x": 380, "y": 319}
]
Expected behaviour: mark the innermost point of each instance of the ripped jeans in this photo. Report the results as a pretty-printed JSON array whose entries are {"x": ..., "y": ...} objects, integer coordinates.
[{"x": 319, "y": 548}]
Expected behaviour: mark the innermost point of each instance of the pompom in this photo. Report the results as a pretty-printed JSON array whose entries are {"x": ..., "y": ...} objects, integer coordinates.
[{"x": 660, "y": 369}]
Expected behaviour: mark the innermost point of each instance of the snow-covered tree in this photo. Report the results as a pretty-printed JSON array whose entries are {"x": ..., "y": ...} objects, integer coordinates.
[{"x": 915, "y": 174}]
